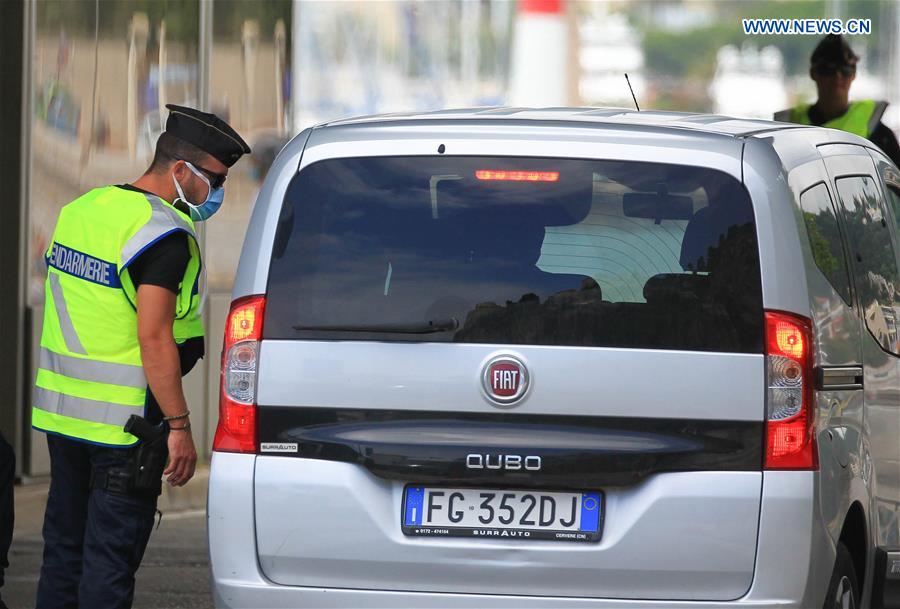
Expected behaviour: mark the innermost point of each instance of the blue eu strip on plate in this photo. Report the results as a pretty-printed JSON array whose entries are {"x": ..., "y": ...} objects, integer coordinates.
[{"x": 412, "y": 516}]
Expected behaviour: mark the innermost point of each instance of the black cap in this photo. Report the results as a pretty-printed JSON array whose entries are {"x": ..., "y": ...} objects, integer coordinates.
[
  {"x": 833, "y": 50},
  {"x": 207, "y": 132}
]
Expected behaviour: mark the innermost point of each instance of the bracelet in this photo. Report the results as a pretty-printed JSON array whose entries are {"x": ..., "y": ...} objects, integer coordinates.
[
  {"x": 183, "y": 415},
  {"x": 185, "y": 427}
]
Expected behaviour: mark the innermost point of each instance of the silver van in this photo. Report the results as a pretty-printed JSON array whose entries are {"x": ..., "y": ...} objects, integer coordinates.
[{"x": 569, "y": 358}]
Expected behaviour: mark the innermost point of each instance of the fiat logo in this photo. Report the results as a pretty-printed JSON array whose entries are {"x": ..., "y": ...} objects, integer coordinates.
[{"x": 505, "y": 380}]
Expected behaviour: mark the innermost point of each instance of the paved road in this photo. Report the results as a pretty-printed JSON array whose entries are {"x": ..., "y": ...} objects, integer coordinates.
[{"x": 174, "y": 574}]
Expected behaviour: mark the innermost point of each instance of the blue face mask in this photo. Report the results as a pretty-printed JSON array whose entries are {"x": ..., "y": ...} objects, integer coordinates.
[{"x": 213, "y": 201}]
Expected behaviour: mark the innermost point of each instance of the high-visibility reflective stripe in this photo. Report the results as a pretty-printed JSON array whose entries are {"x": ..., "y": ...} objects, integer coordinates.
[
  {"x": 70, "y": 336},
  {"x": 880, "y": 107},
  {"x": 95, "y": 433},
  {"x": 163, "y": 220},
  {"x": 94, "y": 411},
  {"x": 200, "y": 287},
  {"x": 92, "y": 370}
]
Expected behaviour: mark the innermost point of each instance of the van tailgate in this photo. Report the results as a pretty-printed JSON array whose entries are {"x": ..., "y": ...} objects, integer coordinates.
[{"x": 671, "y": 441}]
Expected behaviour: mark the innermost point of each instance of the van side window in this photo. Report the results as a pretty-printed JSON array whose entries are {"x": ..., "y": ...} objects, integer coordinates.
[
  {"x": 894, "y": 196},
  {"x": 825, "y": 238},
  {"x": 874, "y": 258},
  {"x": 891, "y": 178}
]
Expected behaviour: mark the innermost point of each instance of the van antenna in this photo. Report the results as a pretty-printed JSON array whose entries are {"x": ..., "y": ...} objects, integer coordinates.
[{"x": 632, "y": 92}]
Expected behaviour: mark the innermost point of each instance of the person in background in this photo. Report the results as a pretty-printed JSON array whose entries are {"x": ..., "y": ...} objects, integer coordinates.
[
  {"x": 833, "y": 68},
  {"x": 7, "y": 479},
  {"x": 122, "y": 324}
]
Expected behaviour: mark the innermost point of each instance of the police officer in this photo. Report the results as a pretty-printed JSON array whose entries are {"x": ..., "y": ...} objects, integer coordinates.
[
  {"x": 7, "y": 479},
  {"x": 122, "y": 325},
  {"x": 833, "y": 68}
]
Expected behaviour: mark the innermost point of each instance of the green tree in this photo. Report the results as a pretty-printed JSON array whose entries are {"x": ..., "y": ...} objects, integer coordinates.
[{"x": 681, "y": 54}]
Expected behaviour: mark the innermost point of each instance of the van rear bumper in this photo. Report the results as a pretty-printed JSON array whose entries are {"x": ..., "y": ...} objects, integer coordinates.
[{"x": 794, "y": 556}]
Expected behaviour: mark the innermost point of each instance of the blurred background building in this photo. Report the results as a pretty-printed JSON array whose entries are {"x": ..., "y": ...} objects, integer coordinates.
[{"x": 86, "y": 82}]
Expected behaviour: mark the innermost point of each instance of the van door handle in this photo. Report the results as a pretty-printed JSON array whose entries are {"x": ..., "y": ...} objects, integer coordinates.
[{"x": 832, "y": 378}]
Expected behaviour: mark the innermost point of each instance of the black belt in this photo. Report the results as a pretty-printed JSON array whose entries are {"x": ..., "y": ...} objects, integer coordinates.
[{"x": 117, "y": 481}]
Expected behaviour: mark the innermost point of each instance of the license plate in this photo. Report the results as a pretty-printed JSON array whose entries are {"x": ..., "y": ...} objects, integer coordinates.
[{"x": 501, "y": 514}]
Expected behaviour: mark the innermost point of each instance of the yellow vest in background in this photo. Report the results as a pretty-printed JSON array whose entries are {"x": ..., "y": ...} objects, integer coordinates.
[
  {"x": 90, "y": 378},
  {"x": 861, "y": 117}
]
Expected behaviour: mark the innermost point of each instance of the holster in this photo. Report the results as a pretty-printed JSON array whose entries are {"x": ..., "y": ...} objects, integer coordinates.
[
  {"x": 149, "y": 461},
  {"x": 141, "y": 474}
]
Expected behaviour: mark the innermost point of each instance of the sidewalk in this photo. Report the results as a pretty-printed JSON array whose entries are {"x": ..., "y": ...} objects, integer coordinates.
[
  {"x": 175, "y": 570},
  {"x": 31, "y": 499}
]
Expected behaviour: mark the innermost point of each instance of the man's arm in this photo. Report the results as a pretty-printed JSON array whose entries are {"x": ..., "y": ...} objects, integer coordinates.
[
  {"x": 885, "y": 139},
  {"x": 155, "y": 316}
]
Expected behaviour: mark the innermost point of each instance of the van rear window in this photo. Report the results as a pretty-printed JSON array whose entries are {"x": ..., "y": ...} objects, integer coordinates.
[{"x": 516, "y": 251}]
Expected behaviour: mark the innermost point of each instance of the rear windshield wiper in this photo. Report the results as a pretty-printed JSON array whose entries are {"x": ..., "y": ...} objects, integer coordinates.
[{"x": 425, "y": 327}]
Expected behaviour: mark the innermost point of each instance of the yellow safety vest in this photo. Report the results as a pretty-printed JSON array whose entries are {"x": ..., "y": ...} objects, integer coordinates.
[
  {"x": 861, "y": 117},
  {"x": 90, "y": 379}
]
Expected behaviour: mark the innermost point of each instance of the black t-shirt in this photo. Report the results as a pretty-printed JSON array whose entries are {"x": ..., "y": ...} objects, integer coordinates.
[
  {"x": 163, "y": 264},
  {"x": 881, "y": 136}
]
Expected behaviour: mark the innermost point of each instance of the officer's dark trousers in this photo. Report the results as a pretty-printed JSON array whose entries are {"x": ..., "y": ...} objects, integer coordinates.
[
  {"x": 94, "y": 540},
  {"x": 7, "y": 479}
]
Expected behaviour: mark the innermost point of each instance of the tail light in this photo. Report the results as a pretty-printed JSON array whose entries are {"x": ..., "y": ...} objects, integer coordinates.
[
  {"x": 517, "y": 176},
  {"x": 236, "y": 431},
  {"x": 790, "y": 424}
]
